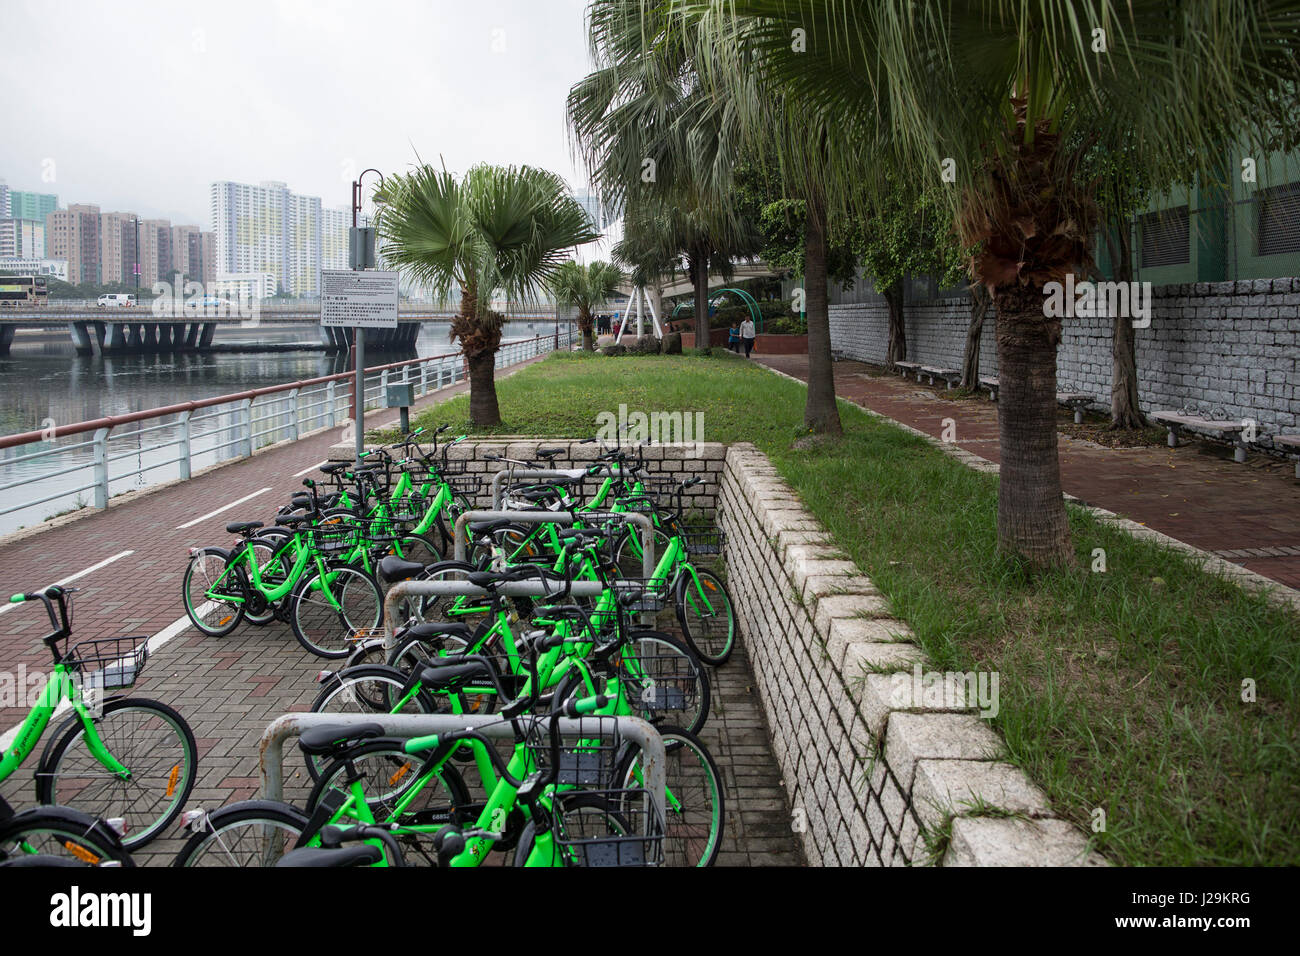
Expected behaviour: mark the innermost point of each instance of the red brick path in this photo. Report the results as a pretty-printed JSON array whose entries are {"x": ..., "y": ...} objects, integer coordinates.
[{"x": 1248, "y": 514}]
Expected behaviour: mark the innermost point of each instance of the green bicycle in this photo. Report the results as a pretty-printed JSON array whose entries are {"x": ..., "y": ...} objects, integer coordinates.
[{"x": 129, "y": 762}]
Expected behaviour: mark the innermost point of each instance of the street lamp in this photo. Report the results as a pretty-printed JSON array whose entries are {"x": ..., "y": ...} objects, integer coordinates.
[{"x": 358, "y": 333}]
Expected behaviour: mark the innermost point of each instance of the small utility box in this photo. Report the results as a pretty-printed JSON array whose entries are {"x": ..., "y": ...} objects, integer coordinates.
[{"x": 403, "y": 397}]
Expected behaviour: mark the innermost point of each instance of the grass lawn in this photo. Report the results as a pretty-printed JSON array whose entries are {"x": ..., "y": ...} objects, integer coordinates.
[{"x": 1119, "y": 690}]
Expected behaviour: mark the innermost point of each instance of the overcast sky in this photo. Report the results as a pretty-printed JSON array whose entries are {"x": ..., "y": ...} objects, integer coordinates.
[{"x": 139, "y": 105}]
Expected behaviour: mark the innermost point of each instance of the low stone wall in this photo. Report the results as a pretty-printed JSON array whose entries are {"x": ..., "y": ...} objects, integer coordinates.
[
  {"x": 877, "y": 774},
  {"x": 703, "y": 459},
  {"x": 1233, "y": 346}
]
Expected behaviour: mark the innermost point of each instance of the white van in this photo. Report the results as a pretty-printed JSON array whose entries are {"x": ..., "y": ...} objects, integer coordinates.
[{"x": 115, "y": 300}]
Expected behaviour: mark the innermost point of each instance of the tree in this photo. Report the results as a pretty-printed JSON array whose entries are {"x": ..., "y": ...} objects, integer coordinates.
[
  {"x": 658, "y": 145},
  {"x": 905, "y": 232},
  {"x": 983, "y": 97},
  {"x": 499, "y": 228},
  {"x": 585, "y": 288}
]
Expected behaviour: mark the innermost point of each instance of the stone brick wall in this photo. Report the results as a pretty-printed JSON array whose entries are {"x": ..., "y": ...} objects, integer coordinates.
[
  {"x": 704, "y": 459},
  {"x": 1227, "y": 346},
  {"x": 868, "y": 770}
]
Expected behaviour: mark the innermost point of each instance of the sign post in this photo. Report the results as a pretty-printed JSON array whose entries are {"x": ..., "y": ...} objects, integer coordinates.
[{"x": 360, "y": 300}]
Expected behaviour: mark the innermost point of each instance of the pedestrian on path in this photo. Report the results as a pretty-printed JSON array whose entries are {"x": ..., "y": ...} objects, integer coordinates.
[
  {"x": 733, "y": 336},
  {"x": 747, "y": 335}
]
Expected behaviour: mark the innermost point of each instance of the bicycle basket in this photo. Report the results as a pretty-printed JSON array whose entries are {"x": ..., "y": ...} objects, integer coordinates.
[
  {"x": 588, "y": 759},
  {"x": 114, "y": 661},
  {"x": 467, "y": 485},
  {"x": 655, "y": 680},
  {"x": 335, "y": 535},
  {"x": 642, "y": 594},
  {"x": 409, "y": 509},
  {"x": 607, "y": 828},
  {"x": 452, "y": 466},
  {"x": 702, "y": 538}
]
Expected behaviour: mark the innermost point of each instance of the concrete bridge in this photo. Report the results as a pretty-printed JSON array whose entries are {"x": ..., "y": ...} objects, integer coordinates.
[{"x": 141, "y": 329}]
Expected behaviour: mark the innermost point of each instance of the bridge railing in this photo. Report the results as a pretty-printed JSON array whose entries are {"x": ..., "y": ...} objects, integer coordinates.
[{"x": 180, "y": 438}]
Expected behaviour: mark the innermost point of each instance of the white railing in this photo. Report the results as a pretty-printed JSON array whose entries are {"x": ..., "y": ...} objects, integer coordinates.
[{"x": 177, "y": 439}]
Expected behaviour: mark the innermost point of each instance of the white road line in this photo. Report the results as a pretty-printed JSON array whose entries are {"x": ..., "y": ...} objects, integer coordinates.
[
  {"x": 80, "y": 574},
  {"x": 306, "y": 471},
  {"x": 213, "y": 514},
  {"x": 173, "y": 629}
]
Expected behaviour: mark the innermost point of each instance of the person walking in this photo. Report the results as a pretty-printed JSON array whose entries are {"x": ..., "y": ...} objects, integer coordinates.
[
  {"x": 747, "y": 335},
  {"x": 733, "y": 336}
]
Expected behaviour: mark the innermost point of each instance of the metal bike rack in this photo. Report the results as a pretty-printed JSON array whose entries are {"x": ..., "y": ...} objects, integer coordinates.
[
  {"x": 501, "y": 477},
  {"x": 563, "y": 517},
  {"x": 403, "y": 589},
  {"x": 271, "y": 745}
]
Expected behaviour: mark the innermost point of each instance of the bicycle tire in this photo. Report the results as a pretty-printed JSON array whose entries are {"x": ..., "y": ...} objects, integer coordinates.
[
  {"x": 323, "y": 630},
  {"x": 124, "y": 798},
  {"x": 221, "y": 842},
  {"x": 206, "y": 561},
  {"x": 62, "y": 832},
  {"x": 699, "y": 628},
  {"x": 689, "y": 677},
  {"x": 688, "y": 841}
]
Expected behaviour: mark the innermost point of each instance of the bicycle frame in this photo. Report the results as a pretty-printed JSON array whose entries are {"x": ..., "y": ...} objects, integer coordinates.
[{"x": 29, "y": 734}]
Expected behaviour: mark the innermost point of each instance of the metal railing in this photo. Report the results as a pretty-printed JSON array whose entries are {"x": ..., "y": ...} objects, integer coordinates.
[{"x": 218, "y": 429}]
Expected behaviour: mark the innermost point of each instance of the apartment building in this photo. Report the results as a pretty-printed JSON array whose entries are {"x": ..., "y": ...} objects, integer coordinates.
[
  {"x": 22, "y": 238},
  {"x": 25, "y": 205},
  {"x": 117, "y": 257},
  {"x": 155, "y": 252},
  {"x": 73, "y": 234},
  {"x": 268, "y": 228}
]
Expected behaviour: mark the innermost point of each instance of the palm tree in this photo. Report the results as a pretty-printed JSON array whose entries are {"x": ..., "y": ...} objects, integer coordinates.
[
  {"x": 585, "y": 288},
  {"x": 498, "y": 228},
  {"x": 657, "y": 145},
  {"x": 986, "y": 96}
]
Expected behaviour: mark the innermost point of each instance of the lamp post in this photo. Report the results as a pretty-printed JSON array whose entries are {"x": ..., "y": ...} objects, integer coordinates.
[{"x": 358, "y": 333}]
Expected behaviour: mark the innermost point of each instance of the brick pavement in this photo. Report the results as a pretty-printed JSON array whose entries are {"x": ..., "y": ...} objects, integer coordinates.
[
  {"x": 1247, "y": 514},
  {"x": 229, "y": 689}
]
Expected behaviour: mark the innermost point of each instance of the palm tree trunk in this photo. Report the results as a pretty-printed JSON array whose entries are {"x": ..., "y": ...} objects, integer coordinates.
[
  {"x": 484, "y": 412},
  {"x": 1031, "y": 510},
  {"x": 1125, "y": 412},
  {"x": 821, "y": 414},
  {"x": 586, "y": 322},
  {"x": 897, "y": 351},
  {"x": 970, "y": 360},
  {"x": 700, "y": 279}
]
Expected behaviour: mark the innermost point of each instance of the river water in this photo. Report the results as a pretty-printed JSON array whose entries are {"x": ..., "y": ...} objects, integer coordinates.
[{"x": 44, "y": 381}]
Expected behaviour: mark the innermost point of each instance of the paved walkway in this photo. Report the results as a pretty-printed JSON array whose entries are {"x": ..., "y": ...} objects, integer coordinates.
[
  {"x": 1247, "y": 514},
  {"x": 230, "y": 689}
]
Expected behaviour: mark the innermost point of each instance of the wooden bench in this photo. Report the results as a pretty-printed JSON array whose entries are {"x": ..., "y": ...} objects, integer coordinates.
[
  {"x": 905, "y": 367},
  {"x": 1290, "y": 444},
  {"x": 949, "y": 375},
  {"x": 1229, "y": 429},
  {"x": 992, "y": 385},
  {"x": 1075, "y": 401}
]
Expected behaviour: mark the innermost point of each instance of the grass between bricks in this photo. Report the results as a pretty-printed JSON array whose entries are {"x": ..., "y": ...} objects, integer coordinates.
[{"x": 1119, "y": 691}]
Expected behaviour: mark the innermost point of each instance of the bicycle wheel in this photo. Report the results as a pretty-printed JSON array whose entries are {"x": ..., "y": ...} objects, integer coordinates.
[
  {"x": 332, "y": 631},
  {"x": 628, "y": 552},
  {"x": 432, "y": 608},
  {"x": 417, "y": 547},
  {"x": 707, "y": 617},
  {"x": 274, "y": 567},
  {"x": 415, "y": 651},
  {"x": 695, "y": 804},
  {"x": 665, "y": 681},
  {"x": 368, "y": 689},
  {"x": 213, "y": 616},
  {"x": 61, "y": 832},
  {"x": 151, "y": 740},
  {"x": 389, "y": 775},
  {"x": 251, "y": 833}
]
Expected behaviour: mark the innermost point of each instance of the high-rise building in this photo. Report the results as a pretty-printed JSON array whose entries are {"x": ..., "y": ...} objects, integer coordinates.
[
  {"x": 268, "y": 229},
  {"x": 117, "y": 257},
  {"x": 38, "y": 206},
  {"x": 4, "y": 200},
  {"x": 208, "y": 252},
  {"x": 155, "y": 252},
  {"x": 334, "y": 226},
  {"x": 73, "y": 234},
  {"x": 22, "y": 238}
]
